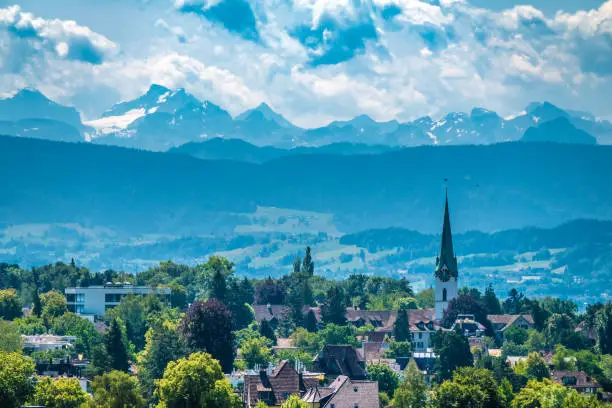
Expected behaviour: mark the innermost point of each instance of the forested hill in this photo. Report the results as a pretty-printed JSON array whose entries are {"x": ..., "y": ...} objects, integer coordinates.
[
  {"x": 584, "y": 232},
  {"x": 492, "y": 187}
]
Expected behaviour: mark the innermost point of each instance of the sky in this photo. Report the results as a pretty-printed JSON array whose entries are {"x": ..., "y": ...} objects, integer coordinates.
[{"x": 314, "y": 61}]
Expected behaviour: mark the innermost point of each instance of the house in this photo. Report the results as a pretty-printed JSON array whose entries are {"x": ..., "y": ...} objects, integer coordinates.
[
  {"x": 96, "y": 300},
  {"x": 271, "y": 313},
  {"x": 577, "y": 380},
  {"x": 382, "y": 320},
  {"x": 468, "y": 326},
  {"x": 274, "y": 385},
  {"x": 422, "y": 327},
  {"x": 501, "y": 323},
  {"x": 47, "y": 342},
  {"x": 340, "y": 359},
  {"x": 344, "y": 393}
]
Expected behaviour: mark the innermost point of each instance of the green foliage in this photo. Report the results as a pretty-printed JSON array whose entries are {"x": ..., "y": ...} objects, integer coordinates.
[
  {"x": 426, "y": 298},
  {"x": 559, "y": 329},
  {"x": 207, "y": 326},
  {"x": 333, "y": 309},
  {"x": 310, "y": 322},
  {"x": 543, "y": 393},
  {"x": 563, "y": 359},
  {"x": 15, "y": 379},
  {"x": 306, "y": 341},
  {"x": 163, "y": 344},
  {"x": 196, "y": 381},
  {"x": 59, "y": 393},
  {"x": 69, "y": 324},
  {"x": 412, "y": 392},
  {"x": 387, "y": 379},
  {"x": 516, "y": 334},
  {"x": 490, "y": 301},
  {"x": 293, "y": 356},
  {"x": 116, "y": 390},
  {"x": 399, "y": 349},
  {"x": 266, "y": 330},
  {"x": 510, "y": 348},
  {"x": 603, "y": 327},
  {"x": 116, "y": 347},
  {"x": 133, "y": 311},
  {"x": 261, "y": 404},
  {"x": 53, "y": 305},
  {"x": 505, "y": 393},
  {"x": 335, "y": 334},
  {"x": 401, "y": 326},
  {"x": 536, "y": 367},
  {"x": 256, "y": 351},
  {"x": 470, "y": 387},
  {"x": 535, "y": 340},
  {"x": 453, "y": 352},
  {"x": 10, "y": 337},
  {"x": 30, "y": 325},
  {"x": 294, "y": 402},
  {"x": 10, "y": 304}
]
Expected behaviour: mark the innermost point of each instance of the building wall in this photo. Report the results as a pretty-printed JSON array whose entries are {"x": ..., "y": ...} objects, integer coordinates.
[
  {"x": 451, "y": 293},
  {"x": 420, "y": 340},
  {"x": 95, "y": 300}
]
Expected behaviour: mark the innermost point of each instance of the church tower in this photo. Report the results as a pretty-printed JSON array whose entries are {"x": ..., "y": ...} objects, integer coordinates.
[{"x": 446, "y": 272}]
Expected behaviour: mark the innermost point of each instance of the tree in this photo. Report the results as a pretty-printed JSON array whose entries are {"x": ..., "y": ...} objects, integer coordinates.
[
  {"x": 10, "y": 338},
  {"x": 116, "y": 347},
  {"x": 88, "y": 338},
  {"x": 412, "y": 392},
  {"x": 453, "y": 352},
  {"x": 477, "y": 381},
  {"x": 53, "y": 305},
  {"x": 256, "y": 352},
  {"x": 387, "y": 380},
  {"x": 535, "y": 340},
  {"x": 513, "y": 303},
  {"x": 36, "y": 303},
  {"x": 401, "y": 326},
  {"x": 10, "y": 304},
  {"x": 426, "y": 298},
  {"x": 59, "y": 393},
  {"x": 603, "y": 329},
  {"x": 270, "y": 292},
  {"x": 307, "y": 263},
  {"x": 196, "y": 381},
  {"x": 133, "y": 312},
  {"x": 490, "y": 301},
  {"x": 218, "y": 288},
  {"x": 400, "y": 349},
  {"x": 559, "y": 330},
  {"x": 163, "y": 344},
  {"x": 207, "y": 326},
  {"x": 294, "y": 402},
  {"x": 516, "y": 335},
  {"x": 536, "y": 367},
  {"x": 543, "y": 393},
  {"x": 466, "y": 304},
  {"x": 116, "y": 390},
  {"x": 16, "y": 373},
  {"x": 333, "y": 309},
  {"x": 505, "y": 392},
  {"x": 334, "y": 334},
  {"x": 266, "y": 330},
  {"x": 310, "y": 322}
]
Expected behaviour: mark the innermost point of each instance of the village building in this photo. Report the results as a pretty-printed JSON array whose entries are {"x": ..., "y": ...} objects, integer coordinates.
[{"x": 344, "y": 392}]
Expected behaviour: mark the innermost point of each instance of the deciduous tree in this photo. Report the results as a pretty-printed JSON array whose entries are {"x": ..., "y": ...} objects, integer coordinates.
[
  {"x": 16, "y": 373},
  {"x": 116, "y": 390}
]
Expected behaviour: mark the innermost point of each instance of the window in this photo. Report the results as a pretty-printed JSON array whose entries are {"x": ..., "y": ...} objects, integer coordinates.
[
  {"x": 70, "y": 297},
  {"x": 444, "y": 295},
  {"x": 355, "y": 388}
]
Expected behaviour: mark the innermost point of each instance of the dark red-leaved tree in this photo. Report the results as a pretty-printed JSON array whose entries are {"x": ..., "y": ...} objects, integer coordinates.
[
  {"x": 270, "y": 291},
  {"x": 207, "y": 326}
]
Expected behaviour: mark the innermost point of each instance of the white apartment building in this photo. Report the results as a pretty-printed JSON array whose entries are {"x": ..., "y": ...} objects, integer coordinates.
[{"x": 96, "y": 300}]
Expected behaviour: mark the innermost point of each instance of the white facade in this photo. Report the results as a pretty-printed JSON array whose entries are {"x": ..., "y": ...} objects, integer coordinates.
[
  {"x": 444, "y": 292},
  {"x": 96, "y": 300}
]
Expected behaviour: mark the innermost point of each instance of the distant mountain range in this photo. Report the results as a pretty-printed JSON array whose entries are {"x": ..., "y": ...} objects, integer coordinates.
[
  {"x": 162, "y": 119},
  {"x": 494, "y": 187}
]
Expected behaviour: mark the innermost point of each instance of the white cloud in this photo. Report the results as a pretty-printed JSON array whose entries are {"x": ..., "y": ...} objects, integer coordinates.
[{"x": 64, "y": 37}]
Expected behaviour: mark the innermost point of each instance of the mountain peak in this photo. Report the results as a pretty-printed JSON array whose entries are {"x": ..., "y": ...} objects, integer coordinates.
[
  {"x": 156, "y": 89},
  {"x": 558, "y": 130},
  {"x": 263, "y": 110}
]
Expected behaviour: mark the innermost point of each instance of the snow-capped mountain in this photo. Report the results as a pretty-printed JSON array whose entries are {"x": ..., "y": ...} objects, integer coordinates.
[{"x": 163, "y": 118}]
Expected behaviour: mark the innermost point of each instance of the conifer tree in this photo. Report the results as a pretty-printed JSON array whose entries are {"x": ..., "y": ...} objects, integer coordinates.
[
  {"x": 116, "y": 347},
  {"x": 218, "y": 285},
  {"x": 308, "y": 264},
  {"x": 266, "y": 330},
  {"x": 401, "y": 327},
  {"x": 310, "y": 323},
  {"x": 333, "y": 309},
  {"x": 36, "y": 303}
]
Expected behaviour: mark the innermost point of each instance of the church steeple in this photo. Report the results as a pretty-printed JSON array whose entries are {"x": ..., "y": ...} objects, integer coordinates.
[{"x": 446, "y": 263}]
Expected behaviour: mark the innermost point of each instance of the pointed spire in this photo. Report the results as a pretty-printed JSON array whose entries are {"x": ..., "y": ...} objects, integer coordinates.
[{"x": 446, "y": 264}]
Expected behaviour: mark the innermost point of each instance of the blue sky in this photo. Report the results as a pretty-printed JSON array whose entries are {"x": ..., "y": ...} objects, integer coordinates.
[{"x": 314, "y": 60}]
